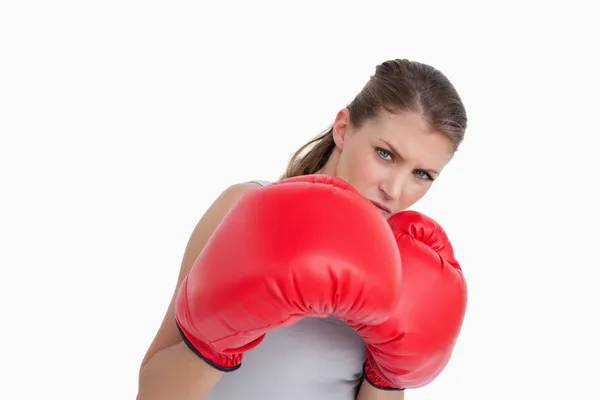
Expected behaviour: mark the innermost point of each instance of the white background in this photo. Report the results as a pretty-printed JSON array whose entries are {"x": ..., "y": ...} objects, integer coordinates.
[{"x": 121, "y": 121}]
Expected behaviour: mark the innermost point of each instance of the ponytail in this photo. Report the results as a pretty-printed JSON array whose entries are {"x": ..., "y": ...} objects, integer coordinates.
[{"x": 312, "y": 156}]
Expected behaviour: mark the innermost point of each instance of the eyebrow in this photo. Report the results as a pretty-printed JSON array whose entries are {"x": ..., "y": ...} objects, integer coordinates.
[{"x": 395, "y": 150}]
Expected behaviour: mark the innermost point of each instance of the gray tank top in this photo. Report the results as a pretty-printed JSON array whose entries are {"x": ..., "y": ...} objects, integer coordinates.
[{"x": 314, "y": 359}]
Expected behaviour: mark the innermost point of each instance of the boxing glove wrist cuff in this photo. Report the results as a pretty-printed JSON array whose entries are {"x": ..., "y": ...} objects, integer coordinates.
[
  {"x": 376, "y": 381},
  {"x": 217, "y": 361}
]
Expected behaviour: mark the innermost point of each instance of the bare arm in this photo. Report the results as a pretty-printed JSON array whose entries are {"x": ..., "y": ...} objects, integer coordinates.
[
  {"x": 169, "y": 369},
  {"x": 176, "y": 373},
  {"x": 368, "y": 392}
]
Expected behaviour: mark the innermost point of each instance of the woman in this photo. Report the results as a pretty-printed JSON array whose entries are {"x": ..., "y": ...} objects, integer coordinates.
[{"x": 390, "y": 144}]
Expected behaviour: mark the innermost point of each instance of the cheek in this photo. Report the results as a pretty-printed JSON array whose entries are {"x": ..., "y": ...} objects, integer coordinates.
[
  {"x": 412, "y": 194},
  {"x": 364, "y": 171}
]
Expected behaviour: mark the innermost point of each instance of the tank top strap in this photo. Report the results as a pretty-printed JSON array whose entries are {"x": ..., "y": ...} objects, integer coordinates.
[{"x": 260, "y": 182}]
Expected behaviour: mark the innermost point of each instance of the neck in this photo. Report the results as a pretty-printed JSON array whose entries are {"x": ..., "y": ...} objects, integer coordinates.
[{"x": 330, "y": 167}]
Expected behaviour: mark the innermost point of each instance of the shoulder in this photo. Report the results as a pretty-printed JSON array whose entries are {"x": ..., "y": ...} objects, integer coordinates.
[
  {"x": 228, "y": 197},
  {"x": 223, "y": 203},
  {"x": 239, "y": 189}
]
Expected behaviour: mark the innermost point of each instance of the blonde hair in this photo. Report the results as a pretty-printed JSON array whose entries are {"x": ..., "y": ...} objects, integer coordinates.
[{"x": 398, "y": 85}]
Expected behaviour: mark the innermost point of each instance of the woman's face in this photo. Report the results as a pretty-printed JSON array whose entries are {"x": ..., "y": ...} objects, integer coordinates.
[{"x": 391, "y": 160}]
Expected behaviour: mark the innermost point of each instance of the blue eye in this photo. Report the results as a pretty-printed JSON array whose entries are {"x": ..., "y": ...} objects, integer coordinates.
[
  {"x": 423, "y": 175},
  {"x": 386, "y": 155}
]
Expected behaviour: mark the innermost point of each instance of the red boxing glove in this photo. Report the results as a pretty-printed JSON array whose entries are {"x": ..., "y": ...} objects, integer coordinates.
[
  {"x": 413, "y": 347},
  {"x": 305, "y": 246}
]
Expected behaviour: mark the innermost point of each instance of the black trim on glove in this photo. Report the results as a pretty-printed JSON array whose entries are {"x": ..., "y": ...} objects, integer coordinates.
[{"x": 196, "y": 352}]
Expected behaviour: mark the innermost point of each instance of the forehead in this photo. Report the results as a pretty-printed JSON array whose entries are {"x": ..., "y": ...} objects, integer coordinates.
[{"x": 411, "y": 135}]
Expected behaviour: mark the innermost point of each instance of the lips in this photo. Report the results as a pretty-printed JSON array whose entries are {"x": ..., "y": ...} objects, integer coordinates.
[{"x": 382, "y": 207}]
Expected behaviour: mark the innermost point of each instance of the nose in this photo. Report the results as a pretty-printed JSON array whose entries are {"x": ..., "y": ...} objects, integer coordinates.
[{"x": 393, "y": 186}]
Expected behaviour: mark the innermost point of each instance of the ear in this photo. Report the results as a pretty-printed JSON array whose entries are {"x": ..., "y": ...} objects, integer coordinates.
[{"x": 340, "y": 127}]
